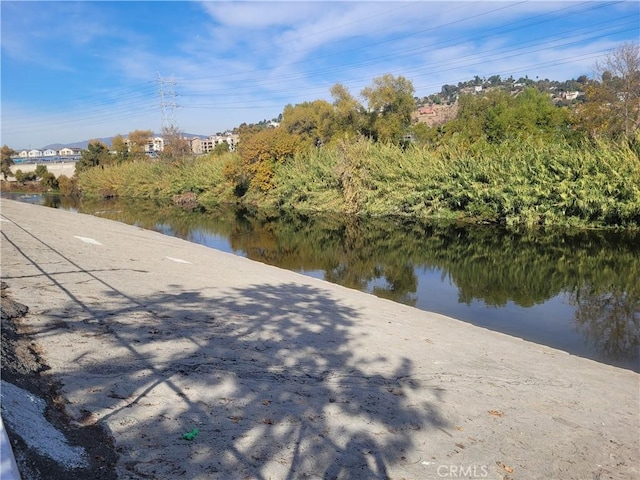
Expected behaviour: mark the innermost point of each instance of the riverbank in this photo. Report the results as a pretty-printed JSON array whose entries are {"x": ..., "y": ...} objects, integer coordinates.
[
  {"x": 275, "y": 374},
  {"x": 525, "y": 183}
]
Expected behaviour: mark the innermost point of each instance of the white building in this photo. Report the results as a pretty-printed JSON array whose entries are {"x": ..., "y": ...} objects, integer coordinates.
[
  {"x": 156, "y": 144},
  {"x": 49, "y": 153},
  {"x": 66, "y": 151},
  {"x": 35, "y": 153}
]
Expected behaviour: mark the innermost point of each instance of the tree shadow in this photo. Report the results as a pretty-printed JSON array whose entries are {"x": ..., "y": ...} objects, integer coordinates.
[
  {"x": 278, "y": 380},
  {"x": 281, "y": 380}
]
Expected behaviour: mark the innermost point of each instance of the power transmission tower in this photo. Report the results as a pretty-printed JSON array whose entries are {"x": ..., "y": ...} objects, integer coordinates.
[
  {"x": 168, "y": 105},
  {"x": 174, "y": 146}
]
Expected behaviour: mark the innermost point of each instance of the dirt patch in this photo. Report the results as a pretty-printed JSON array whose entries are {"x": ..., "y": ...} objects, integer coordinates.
[{"x": 22, "y": 366}]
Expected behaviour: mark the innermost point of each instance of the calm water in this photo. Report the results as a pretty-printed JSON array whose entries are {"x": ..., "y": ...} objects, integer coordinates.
[{"x": 577, "y": 291}]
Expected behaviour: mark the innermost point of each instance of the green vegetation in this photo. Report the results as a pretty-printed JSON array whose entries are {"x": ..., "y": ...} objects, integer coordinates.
[
  {"x": 515, "y": 182},
  {"x": 7, "y": 160},
  {"x": 517, "y": 160},
  {"x": 48, "y": 180}
]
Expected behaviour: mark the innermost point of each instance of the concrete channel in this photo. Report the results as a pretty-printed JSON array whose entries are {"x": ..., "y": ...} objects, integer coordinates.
[{"x": 205, "y": 365}]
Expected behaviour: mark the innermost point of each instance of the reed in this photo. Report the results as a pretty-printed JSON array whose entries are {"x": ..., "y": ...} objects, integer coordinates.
[{"x": 525, "y": 182}]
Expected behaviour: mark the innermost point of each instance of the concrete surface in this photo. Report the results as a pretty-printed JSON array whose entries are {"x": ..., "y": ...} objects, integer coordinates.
[
  {"x": 24, "y": 412},
  {"x": 286, "y": 376},
  {"x": 65, "y": 168},
  {"x": 8, "y": 467}
]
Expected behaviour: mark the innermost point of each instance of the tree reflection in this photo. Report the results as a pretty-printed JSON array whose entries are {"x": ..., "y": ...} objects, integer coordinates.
[
  {"x": 493, "y": 265},
  {"x": 610, "y": 321}
]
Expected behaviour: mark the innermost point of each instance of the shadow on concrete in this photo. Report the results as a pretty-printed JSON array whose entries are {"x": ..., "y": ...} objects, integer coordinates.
[{"x": 272, "y": 376}]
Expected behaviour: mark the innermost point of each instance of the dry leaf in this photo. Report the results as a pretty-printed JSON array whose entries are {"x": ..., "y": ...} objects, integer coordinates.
[
  {"x": 506, "y": 468},
  {"x": 496, "y": 413}
]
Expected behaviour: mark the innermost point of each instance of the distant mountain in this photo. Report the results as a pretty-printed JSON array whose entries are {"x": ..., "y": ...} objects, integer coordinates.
[{"x": 106, "y": 140}]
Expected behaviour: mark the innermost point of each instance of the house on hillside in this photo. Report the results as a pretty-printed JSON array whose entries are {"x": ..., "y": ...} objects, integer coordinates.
[
  {"x": 206, "y": 145},
  {"x": 201, "y": 145}
]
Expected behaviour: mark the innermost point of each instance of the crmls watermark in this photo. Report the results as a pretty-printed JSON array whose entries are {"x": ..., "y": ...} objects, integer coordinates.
[{"x": 463, "y": 471}]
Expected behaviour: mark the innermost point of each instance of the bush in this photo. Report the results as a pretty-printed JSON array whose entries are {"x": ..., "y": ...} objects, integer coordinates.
[
  {"x": 67, "y": 186},
  {"x": 261, "y": 151},
  {"x": 48, "y": 180}
]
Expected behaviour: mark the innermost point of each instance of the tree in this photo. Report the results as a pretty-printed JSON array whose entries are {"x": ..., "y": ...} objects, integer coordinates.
[
  {"x": 97, "y": 153},
  {"x": 68, "y": 186},
  {"x": 176, "y": 147},
  {"x": 138, "y": 142},
  {"x": 313, "y": 122},
  {"x": 48, "y": 180},
  {"x": 41, "y": 171},
  {"x": 612, "y": 106},
  {"x": 261, "y": 152},
  {"x": 120, "y": 149},
  {"x": 348, "y": 112},
  {"x": 7, "y": 160},
  {"x": 221, "y": 148},
  {"x": 390, "y": 104},
  {"x": 25, "y": 176},
  {"x": 498, "y": 116}
]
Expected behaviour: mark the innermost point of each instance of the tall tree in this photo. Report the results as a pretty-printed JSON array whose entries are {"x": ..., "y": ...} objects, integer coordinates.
[
  {"x": 119, "y": 148},
  {"x": 312, "y": 121},
  {"x": 498, "y": 116},
  {"x": 7, "y": 160},
  {"x": 176, "y": 147},
  {"x": 390, "y": 104},
  {"x": 138, "y": 142},
  {"x": 613, "y": 101},
  {"x": 348, "y": 112}
]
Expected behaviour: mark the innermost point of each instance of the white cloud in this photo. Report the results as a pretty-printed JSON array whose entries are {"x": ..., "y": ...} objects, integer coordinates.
[{"x": 244, "y": 61}]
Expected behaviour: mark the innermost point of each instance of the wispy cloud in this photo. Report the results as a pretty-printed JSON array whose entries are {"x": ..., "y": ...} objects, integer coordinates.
[{"x": 68, "y": 66}]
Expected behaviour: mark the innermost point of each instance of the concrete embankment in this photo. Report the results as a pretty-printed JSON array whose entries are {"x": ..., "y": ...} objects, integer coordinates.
[
  {"x": 202, "y": 364},
  {"x": 63, "y": 168}
]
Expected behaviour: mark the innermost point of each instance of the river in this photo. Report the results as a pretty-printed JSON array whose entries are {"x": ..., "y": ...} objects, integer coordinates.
[{"x": 577, "y": 291}]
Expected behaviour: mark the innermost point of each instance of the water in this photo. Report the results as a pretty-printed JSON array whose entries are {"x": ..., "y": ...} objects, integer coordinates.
[{"x": 577, "y": 291}]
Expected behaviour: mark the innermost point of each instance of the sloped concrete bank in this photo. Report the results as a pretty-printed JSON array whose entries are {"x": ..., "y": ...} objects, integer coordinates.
[{"x": 201, "y": 364}]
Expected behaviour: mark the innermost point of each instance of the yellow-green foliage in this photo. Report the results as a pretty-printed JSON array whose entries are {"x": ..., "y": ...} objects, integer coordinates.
[
  {"x": 144, "y": 179},
  {"x": 68, "y": 186},
  {"x": 203, "y": 176},
  {"x": 526, "y": 182},
  {"x": 261, "y": 152},
  {"x": 515, "y": 182}
]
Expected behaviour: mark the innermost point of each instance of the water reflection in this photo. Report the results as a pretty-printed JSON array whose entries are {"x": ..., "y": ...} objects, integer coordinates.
[{"x": 577, "y": 291}]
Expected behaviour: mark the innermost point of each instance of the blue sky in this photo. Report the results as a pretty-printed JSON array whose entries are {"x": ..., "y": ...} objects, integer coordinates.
[{"x": 72, "y": 71}]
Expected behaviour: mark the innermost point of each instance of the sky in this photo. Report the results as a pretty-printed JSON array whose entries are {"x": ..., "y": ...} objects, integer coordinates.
[{"x": 73, "y": 71}]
